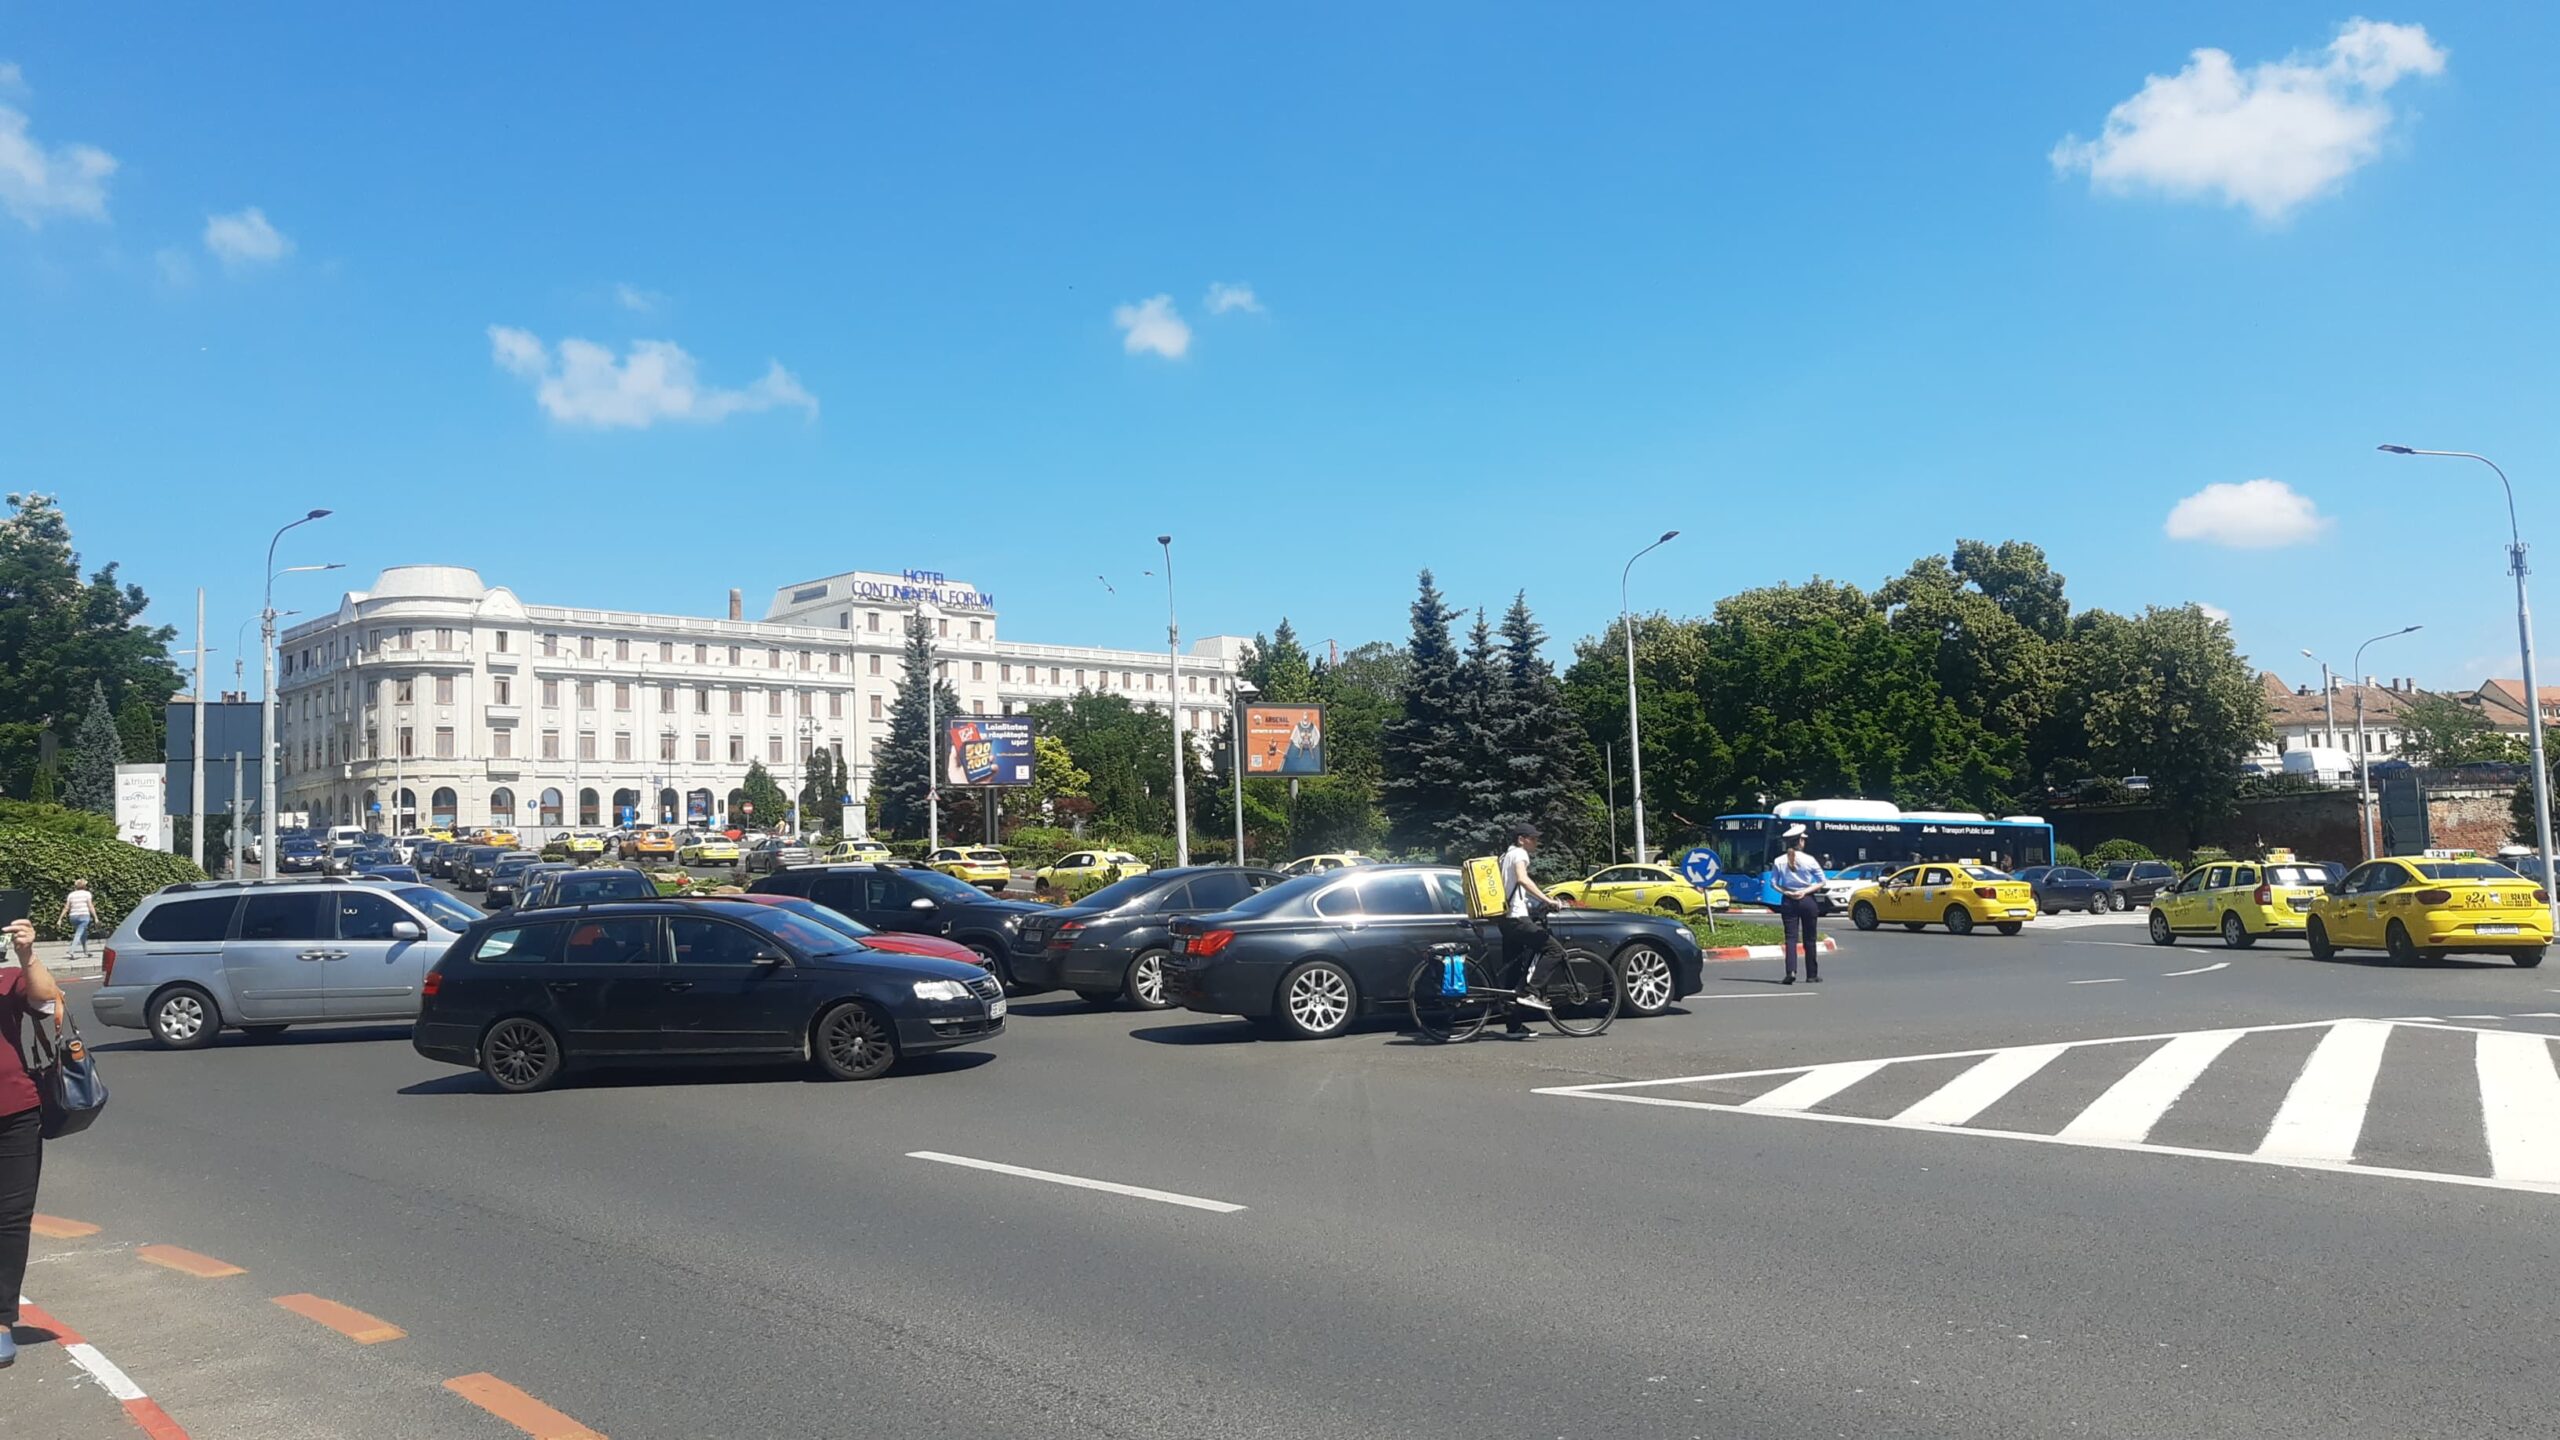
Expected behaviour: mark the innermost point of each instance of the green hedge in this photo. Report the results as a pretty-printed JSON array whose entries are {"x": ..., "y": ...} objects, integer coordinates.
[
  {"x": 2108, "y": 852},
  {"x": 44, "y": 862}
]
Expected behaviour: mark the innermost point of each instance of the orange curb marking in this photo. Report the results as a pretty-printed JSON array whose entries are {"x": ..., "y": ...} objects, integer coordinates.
[
  {"x": 345, "y": 1319},
  {"x": 518, "y": 1409},
  {"x": 188, "y": 1262},
  {"x": 54, "y": 1227},
  {"x": 155, "y": 1422}
]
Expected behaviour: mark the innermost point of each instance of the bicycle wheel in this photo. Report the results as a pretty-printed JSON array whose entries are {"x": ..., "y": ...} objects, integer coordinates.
[
  {"x": 1441, "y": 1017},
  {"x": 1581, "y": 992}
]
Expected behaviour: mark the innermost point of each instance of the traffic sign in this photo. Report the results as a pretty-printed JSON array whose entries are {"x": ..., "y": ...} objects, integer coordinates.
[
  {"x": 748, "y": 806},
  {"x": 1702, "y": 867}
]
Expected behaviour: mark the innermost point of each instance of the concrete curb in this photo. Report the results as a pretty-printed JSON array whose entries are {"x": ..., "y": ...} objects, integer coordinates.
[
  {"x": 1765, "y": 952},
  {"x": 139, "y": 1407}
]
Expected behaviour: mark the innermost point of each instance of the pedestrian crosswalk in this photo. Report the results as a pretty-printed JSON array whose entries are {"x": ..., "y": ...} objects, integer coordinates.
[{"x": 2412, "y": 1098}]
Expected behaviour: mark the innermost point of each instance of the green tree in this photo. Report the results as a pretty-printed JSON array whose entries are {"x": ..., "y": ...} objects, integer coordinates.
[
  {"x": 819, "y": 806},
  {"x": 1126, "y": 754},
  {"x": 2016, "y": 578},
  {"x": 1054, "y": 773},
  {"x": 2440, "y": 730},
  {"x": 2165, "y": 695},
  {"x": 1425, "y": 748},
  {"x": 61, "y": 638},
  {"x": 1280, "y": 669},
  {"x": 2520, "y": 809},
  {"x": 1545, "y": 764},
  {"x": 902, "y": 777},
  {"x": 772, "y": 807},
  {"x": 94, "y": 758}
]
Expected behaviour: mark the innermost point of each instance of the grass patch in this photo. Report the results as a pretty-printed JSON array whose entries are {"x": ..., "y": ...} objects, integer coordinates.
[{"x": 1733, "y": 930}]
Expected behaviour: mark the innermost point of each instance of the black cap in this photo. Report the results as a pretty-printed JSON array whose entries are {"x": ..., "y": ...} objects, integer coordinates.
[{"x": 1524, "y": 828}]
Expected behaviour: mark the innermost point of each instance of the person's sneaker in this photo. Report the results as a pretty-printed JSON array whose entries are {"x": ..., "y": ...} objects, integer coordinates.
[
  {"x": 8, "y": 1349},
  {"x": 1518, "y": 1032},
  {"x": 1526, "y": 1000}
]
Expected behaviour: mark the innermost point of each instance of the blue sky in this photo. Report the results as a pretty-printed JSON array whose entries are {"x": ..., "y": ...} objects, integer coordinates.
[{"x": 1526, "y": 290}]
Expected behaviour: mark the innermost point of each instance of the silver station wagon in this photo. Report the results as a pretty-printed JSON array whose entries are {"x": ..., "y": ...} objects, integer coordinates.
[{"x": 260, "y": 955}]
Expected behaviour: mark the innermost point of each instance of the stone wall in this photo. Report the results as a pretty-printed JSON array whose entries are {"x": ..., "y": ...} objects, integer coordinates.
[{"x": 2316, "y": 825}]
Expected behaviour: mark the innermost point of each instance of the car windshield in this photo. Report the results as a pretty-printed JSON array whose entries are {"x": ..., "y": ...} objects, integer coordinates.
[
  {"x": 1985, "y": 872},
  {"x": 800, "y": 931},
  {"x": 835, "y": 920},
  {"x": 2296, "y": 875},
  {"x": 446, "y": 911},
  {"x": 943, "y": 887},
  {"x": 1284, "y": 894},
  {"x": 2463, "y": 870},
  {"x": 299, "y": 847},
  {"x": 992, "y": 856}
]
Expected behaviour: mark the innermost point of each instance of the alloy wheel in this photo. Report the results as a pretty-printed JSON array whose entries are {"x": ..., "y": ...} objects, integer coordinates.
[
  {"x": 1648, "y": 980},
  {"x": 1319, "y": 1000},
  {"x": 520, "y": 1055},
  {"x": 1146, "y": 980},
  {"x": 855, "y": 1044}
]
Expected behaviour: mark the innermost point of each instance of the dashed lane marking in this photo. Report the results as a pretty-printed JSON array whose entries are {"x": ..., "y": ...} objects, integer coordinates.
[
  {"x": 345, "y": 1319},
  {"x": 2199, "y": 970},
  {"x": 518, "y": 1409},
  {"x": 54, "y": 1227},
  {"x": 2112, "y": 980},
  {"x": 1110, "y": 1187},
  {"x": 188, "y": 1262}
]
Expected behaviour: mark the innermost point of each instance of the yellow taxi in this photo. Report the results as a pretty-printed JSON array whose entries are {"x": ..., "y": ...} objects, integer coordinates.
[
  {"x": 1317, "y": 864},
  {"x": 650, "y": 845},
  {"x": 862, "y": 848},
  {"x": 1643, "y": 887},
  {"x": 1080, "y": 871},
  {"x": 585, "y": 845},
  {"x": 1958, "y": 894},
  {"x": 2418, "y": 908},
  {"x": 709, "y": 850},
  {"x": 2240, "y": 900},
  {"x": 500, "y": 836},
  {"x": 442, "y": 833},
  {"x": 980, "y": 865}
]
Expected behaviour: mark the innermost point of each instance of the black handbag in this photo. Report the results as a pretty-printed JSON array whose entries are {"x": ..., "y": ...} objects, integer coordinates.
[{"x": 68, "y": 1085}]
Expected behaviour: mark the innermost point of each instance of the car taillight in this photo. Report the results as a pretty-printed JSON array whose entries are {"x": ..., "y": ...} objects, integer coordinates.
[
  {"x": 107, "y": 966},
  {"x": 1211, "y": 943},
  {"x": 1987, "y": 892},
  {"x": 2540, "y": 897},
  {"x": 432, "y": 985},
  {"x": 2434, "y": 897},
  {"x": 1065, "y": 938},
  {"x": 2266, "y": 895}
]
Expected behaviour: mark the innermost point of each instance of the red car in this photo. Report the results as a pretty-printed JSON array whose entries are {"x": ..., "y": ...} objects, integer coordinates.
[{"x": 932, "y": 946}]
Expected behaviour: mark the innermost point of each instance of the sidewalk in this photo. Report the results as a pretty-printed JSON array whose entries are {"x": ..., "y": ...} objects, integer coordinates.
[{"x": 56, "y": 955}]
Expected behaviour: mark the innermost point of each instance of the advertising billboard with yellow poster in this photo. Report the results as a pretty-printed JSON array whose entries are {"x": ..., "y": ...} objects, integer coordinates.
[
  {"x": 986, "y": 750},
  {"x": 1283, "y": 739}
]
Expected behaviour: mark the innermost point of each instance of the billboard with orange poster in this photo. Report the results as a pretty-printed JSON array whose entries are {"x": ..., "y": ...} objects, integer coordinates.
[{"x": 1283, "y": 739}]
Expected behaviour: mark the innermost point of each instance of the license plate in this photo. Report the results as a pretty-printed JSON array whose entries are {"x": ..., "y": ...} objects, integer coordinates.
[
  {"x": 2014, "y": 910},
  {"x": 2498, "y": 929},
  {"x": 2299, "y": 902},
  {"x": 995, "y": 1008}
]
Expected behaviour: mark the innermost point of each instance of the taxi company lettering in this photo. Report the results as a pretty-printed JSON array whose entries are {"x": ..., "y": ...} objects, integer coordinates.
[
  {"x": 925, "y": 585},
  {"x": 1907, "y": 827}
]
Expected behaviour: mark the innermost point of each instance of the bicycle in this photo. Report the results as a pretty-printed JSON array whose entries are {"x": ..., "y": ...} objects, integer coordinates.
[{"x": 1580, "y": 988}]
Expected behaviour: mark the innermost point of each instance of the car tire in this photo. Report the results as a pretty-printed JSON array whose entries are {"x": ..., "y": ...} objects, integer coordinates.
[
  {"x": 1959, "y": 920},
  {"x": 2161, "y": 934},
  {"x": 1915, "y": 926},
  {"x": 1099, "y": 999},
  {"x": 520, "y": 1055},
  {"x": 2528, "y": 959},
  {"x": 1863, "y": 915},
  {"x": 2316, "y": 935},
  {"x": 2119, "y": 902},
  {"x": 1316, "y": 1000},
  {"x": 2010, "y": 927},
  {"x": 2098, "y": 904},
  {"x": 1145, "y": 986},
  {"x": 997, "y": 965},
  {"x": 1645, "y": 980},
  {"x": 852, "y": 1041},
  {"x": 183, "y": 1017},
  {"x": 2235, "y": 935},
  {"x": 1667, "y": 905},
  {"x": 2404, "y": 951},
  {"x": 263, "y": 1032}
]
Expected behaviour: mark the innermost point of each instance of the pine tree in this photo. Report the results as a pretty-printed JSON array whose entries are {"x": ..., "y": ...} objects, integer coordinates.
[
  {"x": 1281, "y": 668},
  {"x": 772, "y": 807},
  {"x": 94, "y": 758},
  {"x": 1485, "y": 794},
  {"x": 1546, "y": 754},
  {"x": 902, "y": 780},
  {"x": 1424, "y": 751}
]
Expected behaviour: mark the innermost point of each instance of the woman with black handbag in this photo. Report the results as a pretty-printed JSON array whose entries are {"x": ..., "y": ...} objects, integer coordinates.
[{"x": 28, "y": 992}]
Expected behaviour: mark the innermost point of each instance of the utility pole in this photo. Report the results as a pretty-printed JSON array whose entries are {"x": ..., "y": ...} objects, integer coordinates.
[
  {"x": 195, "y": 769},
  {"x": 1173, "y": 642}
]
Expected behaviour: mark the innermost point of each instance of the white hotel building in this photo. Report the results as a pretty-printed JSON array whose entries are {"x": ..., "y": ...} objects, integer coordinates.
[{"x": 447, "y": 701}]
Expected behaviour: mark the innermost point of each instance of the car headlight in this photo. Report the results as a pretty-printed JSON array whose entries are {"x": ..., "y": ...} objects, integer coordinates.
[{"x": 941, "y": 990}]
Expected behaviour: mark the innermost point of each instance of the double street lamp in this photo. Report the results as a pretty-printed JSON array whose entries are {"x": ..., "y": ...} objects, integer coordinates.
[
  {"x": 267, "y": 698},
  {"x": 1635, "y": 747},
  {"x": 2364, "y": 748},
  {"x": 2524, "y": 644}
]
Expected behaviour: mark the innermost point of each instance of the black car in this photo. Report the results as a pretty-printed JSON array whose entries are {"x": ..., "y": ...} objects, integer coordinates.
[
  {"x": 916, "y": 900},
  {"x": 1310, "y": 956},
  {"x": 1112, "y": 944},
  {"x": 557, "y": 884},
  {"x": 506, "y": 878},
  {"x": 388, "y": 871},
  {"x": 2068, "y": 887},
  {"x": 471, "y": 868},
  {"x": 2131, "y": 884},
  {"x": 300, "y": 857},
  {"x": 423, "y": 855},
  {"x": 524, "y": 995}
]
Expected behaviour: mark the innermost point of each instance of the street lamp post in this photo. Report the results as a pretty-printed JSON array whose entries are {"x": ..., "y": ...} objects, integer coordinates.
[
  {"x": 267, "y": 698},
  {"x": 2364, "y": 749},
  {"x": 2524, "y": 645},
  {"x": 2328, "y": 696},
  {"x": 1635, "y": 746},
  {"x": 1243, "y": 690},
  {"x": 1173, "y": 643}
]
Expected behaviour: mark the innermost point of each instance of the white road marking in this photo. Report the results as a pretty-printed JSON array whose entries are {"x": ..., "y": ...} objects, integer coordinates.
[
  {"x": 1774, "y": 995},
  {"x": 2199, "y": 970},
  {"x": 2118, "y": 980},
  {"x": 2119, "y": 944},
  {"x": 1816, "y": 1085},
  {"x": 2324, "y": 1111},
  {"x": 2404, "y": 1019},
  {"x": 1978, "y": 1088},
  {"x": 2537, "y": 1015},
  {"x": 2475, "y": 1017},
  {"x": 1139, "y": 1192},
  {"x": 105, "y": 1371},
  {"x": 2135, "y": 1103},
  {"x": 2519, "y": 1106}
]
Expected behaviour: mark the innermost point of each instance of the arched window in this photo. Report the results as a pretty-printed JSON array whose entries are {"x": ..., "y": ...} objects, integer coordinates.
[
  {"x": 366, "y": 808},
  {"x": 408, "y": 818},
  {"x": 667, "y": 806},
  {"x": 587, "y": 807},
  {"x": 626, "y": 807},
  {"x": 736, "y": 799},
  {"x": 549, "y": 807},
  {"x": 697, "y": 805},
  {"x": 502, "y": 806},
  {"x": 442, "y": 805}
]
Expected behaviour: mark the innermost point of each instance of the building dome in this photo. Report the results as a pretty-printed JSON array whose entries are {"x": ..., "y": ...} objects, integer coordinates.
[{"x": 427, "y": 582}]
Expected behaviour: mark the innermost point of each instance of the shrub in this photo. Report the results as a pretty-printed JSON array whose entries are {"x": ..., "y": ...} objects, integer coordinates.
[
  {"x": 2065, "y": 855},
  {"x": 55, "y": 819},
  {"x": 2108, "y": 852},
  {"x": 1035, "y": 846},
  {"x": 2207, "y": 854},
  {"x": 44, "y": 861}
]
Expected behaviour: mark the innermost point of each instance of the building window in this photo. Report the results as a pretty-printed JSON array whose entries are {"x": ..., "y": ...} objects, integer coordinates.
[
  {"x": 942, "y": 626},
  {"x": 666, "y": 697},
  {"x": 701, "y": 653},
  {"x": 373, "y": 640},
  {"x": 666, "y": 652},
  {"x": 773, "y": 749},
  {"x": 835, "y": 662},
  {"x": 1008, "y": 674},
  {"x": 551, "y": 694},
  {"x": 444, "y": 742},
  {"x": 977, "y": 670},
  {"x": 737, "y": 748},
  {"x": 773, "y": 702},
  {"x": 737, "y": 702},
  {"x": 404, "y": 639},
  {"x": 501, "y": 691},
  {"x": 621, "y": 647},
  {"x": 806, "y": 662},
  {"x": 586, "y": 647},
  {"x": 808, "y": 702},
  {"x": 621, "y": 745},
  {"x": 502, "y": 742},
  {"x": 444, "y": 689},
  {"x": 702, "y": 700},
  {"x": 875, "y": 707},
  {"x": 621, "y": 695},
  {"x": 1053, "y": 675},
  {"x": 1151, "y": 680},
  {"x": 875, "y": 622},
  {"x": 733, "y": 654},
  {"x": 1125, "y": 681},
  {"x": 408, "y": 743},
  {"x": 586, "y": 744},
  {"x": 666, "y": 747},
  {"x": 1191, "y": 683},
  {"x": 772, "y": 658},
  {"x": 404, "y": 691},
  {"x": 550, "y": 744},
  {"x": 701, "y": 747},
  {"x": 835, "y": 704},
  {"x": 501, "y": 641},
  {"x": 444, "y": 638},
  {"x": 973, "y": 629},
  {"x": 875, "y": 664},
  {"x": 550, "y": 643}
]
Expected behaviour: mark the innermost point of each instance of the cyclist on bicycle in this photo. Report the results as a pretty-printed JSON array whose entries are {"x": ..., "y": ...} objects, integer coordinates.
[{"x": 1527, "y": 944}]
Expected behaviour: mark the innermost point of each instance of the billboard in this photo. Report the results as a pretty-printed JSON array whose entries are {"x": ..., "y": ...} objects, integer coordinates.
[
  {"x": 986, "y": 750},
  {"x": 142, "y": 806},
  {"x": 1283, "y": 739}
]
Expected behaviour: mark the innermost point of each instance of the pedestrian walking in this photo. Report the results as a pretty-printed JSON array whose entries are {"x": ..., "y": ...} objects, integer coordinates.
[
  {"x": 27, "y": 992},
  {"x": 79, "y": 908},
  {"x": 1799, "y": 877}
]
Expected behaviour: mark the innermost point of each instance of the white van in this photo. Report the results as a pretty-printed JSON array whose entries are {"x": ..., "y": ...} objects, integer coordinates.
[
  {"x": 343, "y": 835},
  {"x": 2320, "y": 762}
]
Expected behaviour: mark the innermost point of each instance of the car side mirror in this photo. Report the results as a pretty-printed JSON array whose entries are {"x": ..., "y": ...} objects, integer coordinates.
[
  {"x": 767, "y": 959},
  {"x": 920, "y": 903},
  {"x": 407, "y": 930}
]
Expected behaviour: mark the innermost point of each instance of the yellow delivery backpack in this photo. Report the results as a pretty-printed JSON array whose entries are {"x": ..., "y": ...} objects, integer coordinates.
[{"x": 1485, "y": 900}]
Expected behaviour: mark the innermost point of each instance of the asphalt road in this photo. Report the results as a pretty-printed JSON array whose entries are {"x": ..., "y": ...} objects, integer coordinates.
[{"x": 1787, "y": 1240}]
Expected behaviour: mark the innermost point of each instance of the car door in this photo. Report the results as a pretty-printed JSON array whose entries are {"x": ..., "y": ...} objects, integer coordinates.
[
  {"x": 1404, "y": 918},
  {"x": 278, "y": 963},
  {"x": 2178, "y": 905},
  {"x": 888, "y": 902},
  {"x": 1928, "y": 896},
  {"x": 376, "y": 974},
  {"x": 718, "y": 999},
  {"x": 606, "y": 987}
]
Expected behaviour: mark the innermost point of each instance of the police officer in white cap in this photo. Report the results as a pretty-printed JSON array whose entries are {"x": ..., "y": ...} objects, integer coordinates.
[{"x": 1798, "y": 877}]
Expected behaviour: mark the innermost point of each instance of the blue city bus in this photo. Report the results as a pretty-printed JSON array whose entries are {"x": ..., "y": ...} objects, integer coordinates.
[{"x": 1842, "y": 833}]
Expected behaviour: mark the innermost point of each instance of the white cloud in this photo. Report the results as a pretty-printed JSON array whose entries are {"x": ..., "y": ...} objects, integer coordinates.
[
  {"x": 38, "y": 183},
  {"x": 245, "y": 238},
  {"x": 2247, "y": 515},
  {"x": 1224, "y": 297},
  {"x": 2271, "y": 137},
  {"x": 1153, "y": 325},
  {"x": 2213, "y": 611},
  {"x": 633, "y": 298},
  {"x": 584, "y": 384}
]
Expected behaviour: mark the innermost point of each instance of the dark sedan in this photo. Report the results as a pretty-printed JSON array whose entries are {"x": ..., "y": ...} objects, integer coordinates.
[
  {"x": 917, "y": 901},
  {"x": 2132, "y": 884},
  {"x": 506, "y": 879},
  {"x": 524, "y": 996},
  {"x": 471, "y": 868},
  {"x": 2068, "y": 887},
  {"x": 300, "y": 857},
  {"x": 1308, "y": 957},
  {"x": 1112, "y": 944},
  {"x": 557, "y": 884}
]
